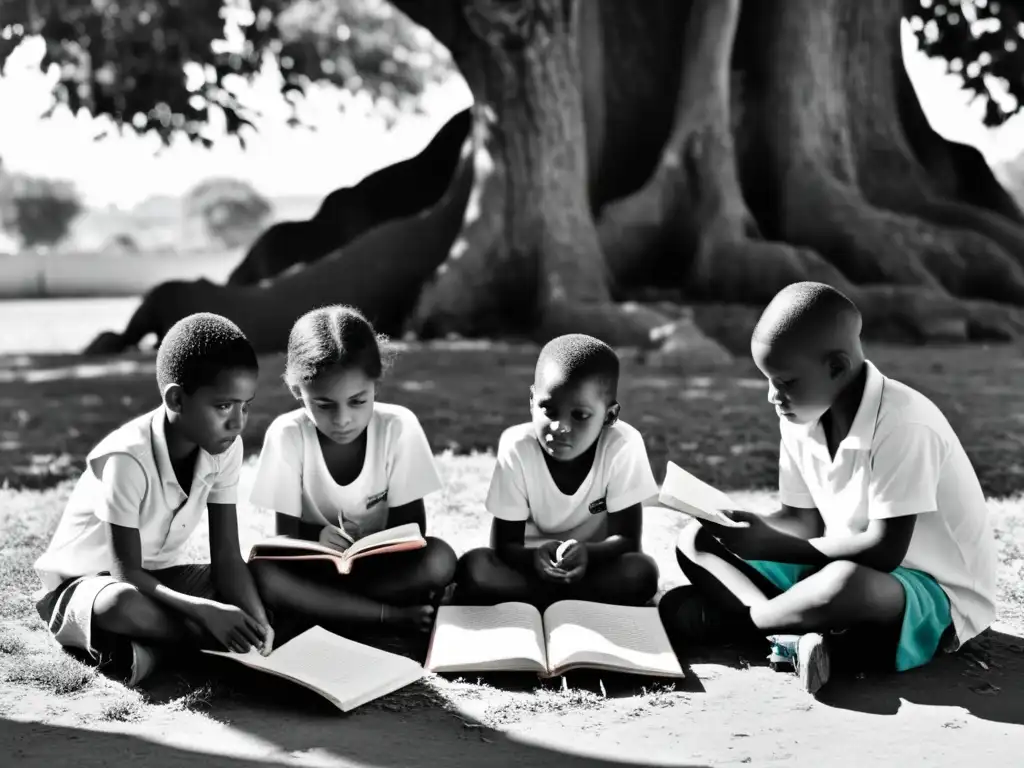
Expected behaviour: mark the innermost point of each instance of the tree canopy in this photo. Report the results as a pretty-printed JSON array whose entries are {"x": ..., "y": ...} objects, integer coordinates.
[
  {"x": 162, "y": 67},
  {"x": 39, "y": 211}
]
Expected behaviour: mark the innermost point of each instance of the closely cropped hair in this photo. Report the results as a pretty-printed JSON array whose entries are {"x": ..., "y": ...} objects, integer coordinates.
[
  {"x": 333, "y": 338},
  {"x": 580, "y": 357},
  {"x": 800, "y": 306},
  {"x": 198, "y": 348}
]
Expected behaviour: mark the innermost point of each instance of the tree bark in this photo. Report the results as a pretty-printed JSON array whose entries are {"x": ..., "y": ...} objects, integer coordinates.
[
  {"x": 690, "y": 218},
  {"x": 842, "y": 168},
  {"x": 529, "y": 256}
]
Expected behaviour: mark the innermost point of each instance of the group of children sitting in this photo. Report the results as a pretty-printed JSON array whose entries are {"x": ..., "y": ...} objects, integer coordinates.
[{"x": 881, "y": 554}]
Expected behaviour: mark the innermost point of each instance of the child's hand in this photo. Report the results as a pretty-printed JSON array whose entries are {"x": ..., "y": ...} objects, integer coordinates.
[
  {"x": 573, "y": 562},
  {"x": 752, "y": 541},
  {"x": 544, "y": 558},
  {"x": 231, "y": 626},
  {"x": 331, "y": 537},
  {"x": 352, "y": 529}
]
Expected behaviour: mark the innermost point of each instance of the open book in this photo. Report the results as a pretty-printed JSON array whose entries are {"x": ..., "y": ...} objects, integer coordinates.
[
  {"x": 516, "y": 637},
  {"x": 685, "y": 493},
  {"x": 402, "y": 538},
  {"x": 346, "y": 673}
]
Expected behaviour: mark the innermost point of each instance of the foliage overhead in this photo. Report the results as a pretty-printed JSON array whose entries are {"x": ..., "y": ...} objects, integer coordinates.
[
  {"x": 232, "y": 211},
  {"x": 161, "y": 67},
  {"x": 983, "y": 41},
  {"x": 38, "y": 210}
]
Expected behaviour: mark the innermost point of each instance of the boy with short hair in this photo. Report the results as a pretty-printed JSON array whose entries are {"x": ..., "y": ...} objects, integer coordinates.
[
  {"x": 566, "y": 493},
  {"x": 113, "y": 580},
  {"x": 883, "y": 546}
]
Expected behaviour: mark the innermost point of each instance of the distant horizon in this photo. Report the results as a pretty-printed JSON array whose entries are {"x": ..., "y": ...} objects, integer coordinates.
[{"x": 285, "y": 162}]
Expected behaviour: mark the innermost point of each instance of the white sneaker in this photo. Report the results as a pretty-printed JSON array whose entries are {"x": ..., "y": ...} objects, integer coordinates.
[
  {"x": 145, "y": 659},
  {"x": 813, "y": 665}
]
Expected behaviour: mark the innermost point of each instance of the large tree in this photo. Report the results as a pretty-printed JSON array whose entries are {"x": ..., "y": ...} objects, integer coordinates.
[{"x": 713, "y": 150}]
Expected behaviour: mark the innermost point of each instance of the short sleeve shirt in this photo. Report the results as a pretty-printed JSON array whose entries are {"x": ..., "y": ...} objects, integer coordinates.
[
  {"x": 292, "y": 477},
  {"x": 522, "y": 488}
]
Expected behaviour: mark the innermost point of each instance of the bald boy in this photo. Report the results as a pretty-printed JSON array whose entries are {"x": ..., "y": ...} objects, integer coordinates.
[{"x": 882, "y": 552}]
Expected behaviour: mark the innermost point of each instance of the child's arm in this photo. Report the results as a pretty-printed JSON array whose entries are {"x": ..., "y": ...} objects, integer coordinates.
[
  {"x": 625, "y": 530},
  {"x": 413, "y": 512},
  {"x": 882, "y": 546},
  {"x": 231, "y": 576},
  {"x": 229, "y": 625},
  {"x": 286, "y": 525},
  {"x": 507, "y": 540},
  {"x": 804, "y": 523}
]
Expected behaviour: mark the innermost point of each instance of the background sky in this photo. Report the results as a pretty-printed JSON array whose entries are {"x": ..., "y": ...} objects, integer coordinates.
[{"x": 349, "y": 141}]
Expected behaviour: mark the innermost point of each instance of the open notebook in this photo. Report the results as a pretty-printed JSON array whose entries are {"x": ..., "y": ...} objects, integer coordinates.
[
  {"x": 346, "y": 673},
  {"x": 685, "y": 493},
  {"x": 516, "y": 637},
  {"x": 401, "y": 538}
]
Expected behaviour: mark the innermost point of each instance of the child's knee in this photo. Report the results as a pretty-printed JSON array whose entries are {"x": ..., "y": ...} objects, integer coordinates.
[
  {"x": 476, "y": 569},
  {"x": 639, "y": 573},
  {"x": 439, "y": 563},
  {"x": 691, "y": 542},
  {"x": 122, "y": 610}
]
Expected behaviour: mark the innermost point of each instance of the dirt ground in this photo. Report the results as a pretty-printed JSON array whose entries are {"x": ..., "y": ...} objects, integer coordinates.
[{"x": 951, "y": 714}]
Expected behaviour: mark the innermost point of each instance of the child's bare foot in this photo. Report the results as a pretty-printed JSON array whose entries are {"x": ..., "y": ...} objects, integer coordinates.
[{"x": 415, "y": 617}]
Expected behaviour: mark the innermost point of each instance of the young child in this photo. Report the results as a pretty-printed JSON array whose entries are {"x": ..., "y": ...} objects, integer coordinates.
[
  {"x": 113, "y": 582},
  {"x": 882, "y": 551},
  {"x": 574, "y": 476},
  {"x": 345, "y": 460}
]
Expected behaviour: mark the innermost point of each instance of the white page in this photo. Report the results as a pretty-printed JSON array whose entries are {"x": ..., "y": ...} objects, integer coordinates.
[
  {"x": 347, "y": 673},
  {"x": 401, "y": 533},
  {"x": 685, "y": 493},
  {"x": 473, "y": 638},
  {"x": 626, "y": 638}
]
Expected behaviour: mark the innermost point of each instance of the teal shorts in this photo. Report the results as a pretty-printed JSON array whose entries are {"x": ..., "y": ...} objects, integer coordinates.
[{"x": 926, "y": 616}]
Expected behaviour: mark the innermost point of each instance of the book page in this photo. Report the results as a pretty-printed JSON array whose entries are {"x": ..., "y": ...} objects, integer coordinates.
[
  {"x": 471, "y": 638},
  {"x": 343, "y": 671},
  {"x": 684, "y": 492},
  {"x": 410, "y": 532},
  {"x": 614, "y": 637},
  {"x": 283, "y": 546}
]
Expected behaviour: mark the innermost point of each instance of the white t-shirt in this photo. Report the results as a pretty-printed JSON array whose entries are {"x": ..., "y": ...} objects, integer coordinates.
[
  {"x": 129, "y": 481},
  {"x": 292, "y": 477},
  {"x": 522, "y": 488},
  {"x": 901, "y": 457}
]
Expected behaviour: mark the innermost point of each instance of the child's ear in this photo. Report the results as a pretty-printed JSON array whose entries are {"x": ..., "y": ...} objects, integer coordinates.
[
  {"x": 174, "y": 398},
  {"x": 531, "y": 397},
  {"x": 612, "y": 415},
  {"x": 838, "y": 364}
]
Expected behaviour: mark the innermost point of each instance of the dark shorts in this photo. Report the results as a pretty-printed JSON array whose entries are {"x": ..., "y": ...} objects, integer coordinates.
[{"x": 68, "y": 609}]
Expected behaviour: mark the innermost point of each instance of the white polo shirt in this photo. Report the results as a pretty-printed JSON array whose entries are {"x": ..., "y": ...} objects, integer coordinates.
[
  {"x": 522, "y": 488},
  {"x": 292, "y": 477},
  {"x": 129, "y": 481},
  {"x": 901, "y": 457}
]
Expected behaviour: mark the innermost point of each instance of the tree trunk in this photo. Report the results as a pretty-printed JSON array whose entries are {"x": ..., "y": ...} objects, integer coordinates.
[
  {"x": 842, "y": 169},
  {"x": 691, "y": 216},
  {"x": 529, "y": 256}
]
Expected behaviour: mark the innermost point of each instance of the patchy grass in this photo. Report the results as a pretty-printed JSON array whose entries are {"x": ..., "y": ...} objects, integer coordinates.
[
  {"x": 53, "y": 409},
  {"x": 715, "y": 422}
]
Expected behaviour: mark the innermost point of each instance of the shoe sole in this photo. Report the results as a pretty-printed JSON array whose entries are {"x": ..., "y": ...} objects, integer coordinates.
[{"x": 813, "y": 664}]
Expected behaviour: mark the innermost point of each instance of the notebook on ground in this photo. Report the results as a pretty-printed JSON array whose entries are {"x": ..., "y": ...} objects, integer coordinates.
[
  {"x": 346, "y": 673},
  {"x": 401, "y": 538},
  {"x": 685, "y": 493},
  {"x": 570, "y": 634}
]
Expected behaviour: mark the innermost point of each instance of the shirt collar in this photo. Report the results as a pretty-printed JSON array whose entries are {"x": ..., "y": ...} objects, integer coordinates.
[
  {"x": 204, "y": 461},
  {"x": 862, "y": 430}
]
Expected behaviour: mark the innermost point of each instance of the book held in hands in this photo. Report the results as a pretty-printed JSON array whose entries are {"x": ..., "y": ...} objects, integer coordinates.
[
  {"x": 685, "y": 493},
  {"x": 346, "y": 673},
  {"x": 402, "y": 538},
  {"x": 570, "y": 634}
]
